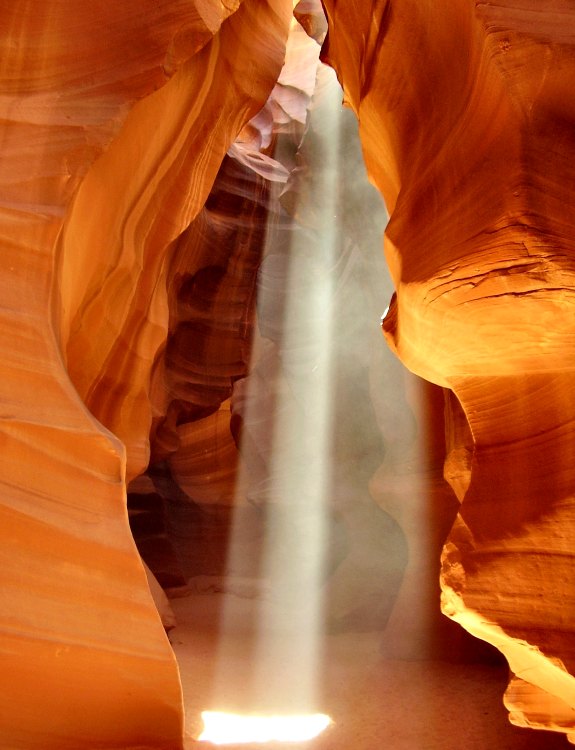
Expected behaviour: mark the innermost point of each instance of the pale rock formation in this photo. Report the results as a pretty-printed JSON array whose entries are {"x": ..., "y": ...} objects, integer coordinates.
[
  {"x": 466, "y": 122},
  {"x": 160, "y": 600}
]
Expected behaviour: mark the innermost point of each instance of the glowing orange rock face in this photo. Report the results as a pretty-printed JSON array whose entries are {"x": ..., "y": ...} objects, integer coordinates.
[
  {"x": 115, "y": 120},
  {"x": 466, "y": 120}
]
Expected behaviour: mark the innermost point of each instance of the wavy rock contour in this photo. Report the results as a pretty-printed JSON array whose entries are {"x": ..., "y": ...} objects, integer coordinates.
[
  {"x": 115, "y": 120},
  {"x": 466, "y": 124}
]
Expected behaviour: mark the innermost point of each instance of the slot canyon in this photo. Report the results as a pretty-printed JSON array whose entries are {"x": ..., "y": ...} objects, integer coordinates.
[{"x": 287, "y": 406}]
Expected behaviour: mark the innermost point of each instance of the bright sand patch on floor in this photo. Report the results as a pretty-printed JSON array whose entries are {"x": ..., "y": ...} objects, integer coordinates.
[{"x": 375, "y": 703}]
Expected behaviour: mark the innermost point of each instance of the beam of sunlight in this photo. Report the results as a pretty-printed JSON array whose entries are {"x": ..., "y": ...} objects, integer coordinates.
[
  {"x": 289, "y": 641},
  {"x": 226, "y": 729},
  {"x": 280, "y": 665}
]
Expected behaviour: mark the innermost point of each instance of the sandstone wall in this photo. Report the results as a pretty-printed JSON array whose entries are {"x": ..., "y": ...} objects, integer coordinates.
[
  {"x": 115, "y": 120},
  {"x": 467, "y": 129},
  {"x": 127, "y": 317}
]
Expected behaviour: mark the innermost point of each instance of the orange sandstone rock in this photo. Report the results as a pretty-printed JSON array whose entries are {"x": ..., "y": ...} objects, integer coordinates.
[
  {"x": 115, "y": 120},
  {"x": 211, "y": 286},
  {"x": 162, "y": 165},
  {"x": 467, "y": 130}
]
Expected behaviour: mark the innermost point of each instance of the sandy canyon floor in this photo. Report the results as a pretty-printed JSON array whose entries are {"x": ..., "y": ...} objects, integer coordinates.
[{"x": 375, "y": 703}]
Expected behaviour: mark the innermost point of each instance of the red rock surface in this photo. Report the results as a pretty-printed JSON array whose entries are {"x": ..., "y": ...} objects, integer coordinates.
[
  {"x": 144, "y": 149},
  {"x": 467, "y": 130},
  {"x": 115, "y": 120}
]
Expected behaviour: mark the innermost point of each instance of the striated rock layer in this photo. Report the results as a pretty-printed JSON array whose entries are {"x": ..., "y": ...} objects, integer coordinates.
[
  {"x": 136, "y": 179},
  {"x": 466, "y": 120},
  {"x": 114, "y": 123}
]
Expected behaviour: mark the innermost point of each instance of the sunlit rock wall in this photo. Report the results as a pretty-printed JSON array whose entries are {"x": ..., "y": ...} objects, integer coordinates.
[
  {"x": 115, "y": 120},
  {"x": 261, "y": 237},
  {"x": 138, "y": 173},
  {"x": 466, "y": 120}
]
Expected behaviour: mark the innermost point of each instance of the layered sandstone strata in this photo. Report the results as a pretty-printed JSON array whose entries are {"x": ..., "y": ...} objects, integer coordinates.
[
  {"x": 466, "y": 124},
  {"x": 128, "y": 315},
  {"x": 115, "y": 120}
]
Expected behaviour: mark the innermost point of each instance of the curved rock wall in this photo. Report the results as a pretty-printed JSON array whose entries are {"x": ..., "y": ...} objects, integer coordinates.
[
  {"x": 114, "y": 123},
  {"x": 467, "y": 129},
  {"x": 117, "y": 330}
]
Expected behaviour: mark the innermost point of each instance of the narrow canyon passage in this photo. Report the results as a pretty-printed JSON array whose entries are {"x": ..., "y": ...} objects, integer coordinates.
[
  {"x": 302, "y": 559},
  {"x": 220, "y": 489}
]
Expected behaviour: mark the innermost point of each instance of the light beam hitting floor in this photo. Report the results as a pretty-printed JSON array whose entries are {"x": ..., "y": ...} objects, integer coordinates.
[
  {"x": 222, "y": 728},
  {"x": 280, "y": 699}
]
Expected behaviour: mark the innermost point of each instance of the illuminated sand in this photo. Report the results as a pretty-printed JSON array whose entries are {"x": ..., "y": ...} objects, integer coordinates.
[
  {"x": 223, "y": 728},
  {"x": 375, "y": 703}
]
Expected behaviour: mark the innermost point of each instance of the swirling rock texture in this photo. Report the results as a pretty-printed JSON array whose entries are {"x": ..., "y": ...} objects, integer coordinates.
[
  {"x": 136, "y": 187},
  {"x": 467, "y": 128},
  {"x": 212, "y": 278},
  {"x": 144, "y": 149},
  {"x": 263, "y": 223},
  {"x": 115, "y": 121}
]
